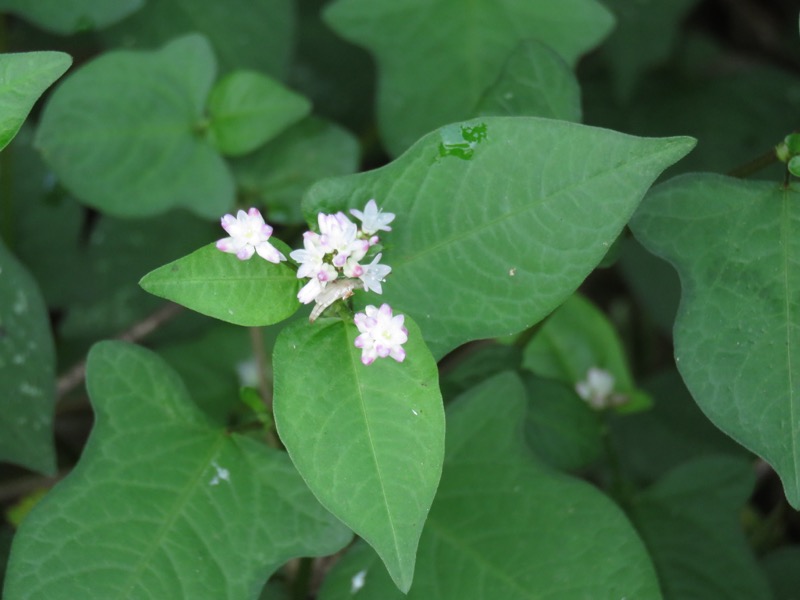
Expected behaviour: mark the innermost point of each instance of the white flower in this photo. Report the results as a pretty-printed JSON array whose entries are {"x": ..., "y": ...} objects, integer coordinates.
[
  {"x": 597, "y": 389},
  {"x": 382, "y": 334},
  {"x": 373, "y": 219},
  {"x": 248, "y": 235},
  {"x": 374, "y": 274}
]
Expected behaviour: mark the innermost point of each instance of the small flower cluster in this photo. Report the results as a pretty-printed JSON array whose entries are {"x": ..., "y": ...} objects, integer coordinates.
[
  {"x": 338, "y": 249},
  {"x": 331, "y": 260},
  {"x": 598, "y": 389}
]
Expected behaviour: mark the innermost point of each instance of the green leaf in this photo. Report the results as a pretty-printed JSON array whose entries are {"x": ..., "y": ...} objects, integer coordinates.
[
  {"x": 203, "y": 512},
  {"x": 535, "y": 82},
  {"x": 500, "y": 219},
  {"x": 70, "y": 17},
  {"x": 245, "y": 34},
  {"x": 780, "y": 567},
  {"x": 277, "y": 175},
  {"x": 248, "y": 109},
  {"x": 575, "y": 338},
  {"x": 436, "y": 57},
  {"x": 644, "y": 37},
  {"x": 506, "y": 526},
  {"x": 243, "y": 292},
  {"x": 737, "y": 333},
  {"x": 122, "y": 133},
  {"x": 368, "y": 440},
  {"x": 673, "y": 432},
  {"x": 690, "y": 523},
  {"x": 560, "y": 427},
  {"x": 794, "y": 166},
  {"x": 27, "y": 370},
  {"x": 23, "y": 78}
]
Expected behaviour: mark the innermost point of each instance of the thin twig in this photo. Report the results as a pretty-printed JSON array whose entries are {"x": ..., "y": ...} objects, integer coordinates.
[{"x": 74, "y": 376}]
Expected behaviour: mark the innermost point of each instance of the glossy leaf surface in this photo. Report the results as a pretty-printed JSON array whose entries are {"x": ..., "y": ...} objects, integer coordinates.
[
  {"x": 164, "y": 504},
  {"x": 495, "y": 497},
  {"x": 691, "y": 525},
  {"x": 23, "y": 78},
  {"x": 499, "y": 219},
  {"x": 368, "y": 440},
  {"x": 737, "y": 333},
  {"x": 248, "y": 109},
  {"x": 253, "y": 292},
  {"x": 437, "y": 57},
  {"x": 27, "y": 370},
  {"x": 122, "y": 133}
]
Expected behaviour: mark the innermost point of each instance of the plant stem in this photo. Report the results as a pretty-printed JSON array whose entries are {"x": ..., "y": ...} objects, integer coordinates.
[
  {"x": 302, "y": 579},
  {"x": 755, "y": 165},
  {"x": 264, "y": 387}
]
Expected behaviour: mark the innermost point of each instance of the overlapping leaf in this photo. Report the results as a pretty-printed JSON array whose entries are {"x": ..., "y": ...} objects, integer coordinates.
[
  {"x": 737, "y": 333},
  {"x": 368, "y": 440},
  {"x": 123, "y": 133},
  {"x": 23, "y": 78},
  {"x": 437, "y": 57},
  {"x": 253, "y": 292},
  {"x": 27, "y": 370},
  {"x": 690, "y": 523},
  {"x": 164, "y": 504},
  {"x": 500, "y": 219},
  {"x": 71, "y": 17},
  {"x": 505, "y": 526}
]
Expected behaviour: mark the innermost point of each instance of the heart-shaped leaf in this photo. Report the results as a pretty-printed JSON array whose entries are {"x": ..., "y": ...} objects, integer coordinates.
[
  {"x": 506, "y": 526},
  {"x": 252, "y": 292},
  {"x": 203, "y": 512},
  {"x": 248, "y": 109},
  {"x": 500, "y": 219},
  {"x": 437, "y": 57},
  {"x": 27, "y": 370},
  {"x": 23, "y": 78},
  {"x": 737, "y": 333},
  {"x": 123, "y": 132},
  {"x": 368, "y": 440}
]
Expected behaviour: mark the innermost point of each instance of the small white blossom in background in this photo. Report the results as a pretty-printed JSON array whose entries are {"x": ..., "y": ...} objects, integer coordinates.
[
  {"x": 382, "y": 334},
  {"x": 598, "y": 389},
  {"x": 249, "y": 234},
  {"x": 337, "y": 251}
]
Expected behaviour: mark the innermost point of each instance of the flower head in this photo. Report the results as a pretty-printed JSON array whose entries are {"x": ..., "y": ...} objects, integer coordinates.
[
  {"x": 373, "y": 219},
  {"x": 382, "y": 334},
  {"x": 598, "y": 389},
  {"x": 249, "y": 234}
]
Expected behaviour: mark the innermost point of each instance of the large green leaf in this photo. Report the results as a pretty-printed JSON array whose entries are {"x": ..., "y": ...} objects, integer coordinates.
[
  {"x": 23, "y": 78},
  {"x": 252, "y": 292},
  {"x": 164, "y": 504},
  {"x": 737, "y": 333},
  {"x": 72, "y": 16},
  {"x": 781, "y": 569},
  {"x": 123, "y": 133},
  {"x": 500, "y": 219},
  {"x": 535, "y": 82},
  {"x": 505, "y": 526},
  {"x": 437, "y": 57},
  {"x": 248, "y": 109},
  {"x": 27, "y": 370},
  {"x": 245, "y": 34},
  {"x": 690, "y": 523},
  {"x": 277, "y": 175},
  {"x": 368, "y": 440}
]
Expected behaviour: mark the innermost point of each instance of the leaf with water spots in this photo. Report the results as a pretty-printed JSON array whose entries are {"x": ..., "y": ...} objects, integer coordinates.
[
  {"x": 737, "y": 333},
  {"x": 27, "y": 370},
  {"x": 164, "y": 503},
  {"x": 499, "y": 219},
  {"x": 368, "y": 440},
  {"x": 504, "y": 525},
  {"x": 437, "y": 57}
]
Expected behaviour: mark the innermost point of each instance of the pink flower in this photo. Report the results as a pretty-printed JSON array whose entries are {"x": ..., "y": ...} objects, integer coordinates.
[
  {"x": 382, "y": 334},
  {"x": 249, "y": 234}
]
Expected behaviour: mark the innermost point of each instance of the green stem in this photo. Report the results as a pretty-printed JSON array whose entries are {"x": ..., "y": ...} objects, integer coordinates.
[
  {"x": 264, "y": 388},
  {"x": 619, "y": 488},
  {"x": 755, "y": 165},
  {"x": 302, "y": 579}
]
